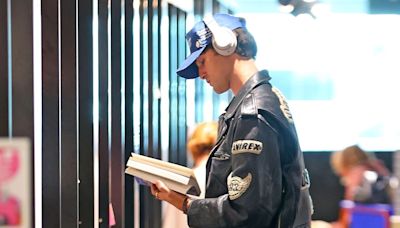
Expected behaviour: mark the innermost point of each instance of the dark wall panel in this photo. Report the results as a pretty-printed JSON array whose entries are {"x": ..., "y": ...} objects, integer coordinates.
[
  {"x": 145, "y": 197},
  {"x": 69, "y": 151},
  {"x": 104, "y": 128},
  {"x": 148, "y": 205},
  {"x": 85, "y": 127},
  {"x": 3, "y": 69},
  {"x": 129, "y": 184},
  {"x": 326, "y": 203},
  {"x": 117, "y": 156},
  {"x": 173, "y": 87},
  {"x": 153, "y": 76},
  {"x": 177, "y": 46},
  {"x": 22, "y": 69},
  {"x": 50, "y": 114},
  {"x": 181, "y": 55}
]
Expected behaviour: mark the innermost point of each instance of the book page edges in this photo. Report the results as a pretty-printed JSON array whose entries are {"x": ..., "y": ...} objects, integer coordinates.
[
  {"x": 148, "y": 168},
  {"x": 185, "y": 171},
  {"x": 176, "y": 186}
]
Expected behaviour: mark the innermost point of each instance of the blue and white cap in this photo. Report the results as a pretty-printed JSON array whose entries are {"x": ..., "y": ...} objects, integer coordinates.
[{"x": 199, "y": 37}]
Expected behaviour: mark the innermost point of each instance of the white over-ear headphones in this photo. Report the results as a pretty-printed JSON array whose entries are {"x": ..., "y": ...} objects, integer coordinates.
[{"x": 224, "y": 40}]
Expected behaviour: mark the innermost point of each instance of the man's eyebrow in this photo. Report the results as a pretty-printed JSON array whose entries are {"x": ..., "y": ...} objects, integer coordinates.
[{"x": 197, "y": 62}]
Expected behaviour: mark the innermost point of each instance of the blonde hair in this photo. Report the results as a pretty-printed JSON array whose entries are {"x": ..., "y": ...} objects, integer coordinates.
[
  {"x": 203, "y": 139},
  {"x": 344, "y": 160}
]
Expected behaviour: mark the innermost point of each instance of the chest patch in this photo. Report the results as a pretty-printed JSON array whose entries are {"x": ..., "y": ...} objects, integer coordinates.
[
  {"x": 247, "y": 146},
  {"x": 237, "y": 186},
  {"x": 283, "y": 104}
]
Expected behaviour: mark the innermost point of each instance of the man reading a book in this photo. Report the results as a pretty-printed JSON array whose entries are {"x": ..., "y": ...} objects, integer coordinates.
[{"x": 255, "y": 173}]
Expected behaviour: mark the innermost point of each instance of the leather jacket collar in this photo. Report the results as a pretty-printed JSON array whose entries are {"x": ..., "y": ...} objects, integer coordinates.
[{"x": 259, "y": 78}]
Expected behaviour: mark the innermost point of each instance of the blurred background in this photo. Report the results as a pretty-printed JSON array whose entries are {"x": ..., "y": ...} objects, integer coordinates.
[{"x": 88, "y": 82}]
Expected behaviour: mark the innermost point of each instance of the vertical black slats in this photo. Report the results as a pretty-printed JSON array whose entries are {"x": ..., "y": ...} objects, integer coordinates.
[
  {"x": 104, "y": 152},
  {"x": 69, "y": 151},
  {"x": 117, "y": 154},
  {"x": 146, "y": 199},
  {"x": 150, "y": 78},
  {"x": 50, "y": 117},
  {"x": 157, "y": 77},
  {"x": 177, "y": 87},
  {"x": 22, "y": 75},
  {"x": 182, "y": 89},
  {"x": 153, "y": 77},
  {"x": 129, "y": 190},
  {"x": 138, "y": 99},
  {"x": 22, "y": 69},
  {"x": 156, "y": 74},
  {"x": 173, "y": 87},
  {"x": 154, "y": 101},
  {"x": 144, "y": 196},
  {"x": 144, "y": 100},
  {"x": 3, "y": 69},
  {"x": 85, "y": 116}
]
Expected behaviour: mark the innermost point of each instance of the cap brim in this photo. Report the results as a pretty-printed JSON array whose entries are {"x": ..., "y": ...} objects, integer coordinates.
[{"x": 188, "y": 68}]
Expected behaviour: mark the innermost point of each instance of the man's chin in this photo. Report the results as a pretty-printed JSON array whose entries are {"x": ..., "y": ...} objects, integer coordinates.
[{"x": 220, "y": 91}]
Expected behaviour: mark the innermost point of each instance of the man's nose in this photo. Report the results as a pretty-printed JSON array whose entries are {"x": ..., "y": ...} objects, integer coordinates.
[{"x": 202, "y": 73}]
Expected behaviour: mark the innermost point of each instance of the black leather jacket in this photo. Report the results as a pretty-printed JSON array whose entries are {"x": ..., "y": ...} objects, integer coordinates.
[{"x": 255, "y": 173}]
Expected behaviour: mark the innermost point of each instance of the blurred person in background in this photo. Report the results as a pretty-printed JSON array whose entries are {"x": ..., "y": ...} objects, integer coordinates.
[
  {"x": 366, "y": 180},
  {"x": 200, "y": 143},
  {"x": 355, "y": 167}
]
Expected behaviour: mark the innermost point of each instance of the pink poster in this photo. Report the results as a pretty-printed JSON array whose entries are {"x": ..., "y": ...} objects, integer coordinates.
[{"x": 15, "y": 183}]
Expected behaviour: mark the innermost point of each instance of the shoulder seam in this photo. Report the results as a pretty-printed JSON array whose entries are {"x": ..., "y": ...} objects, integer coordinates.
[{"x": 249, "y": 107}]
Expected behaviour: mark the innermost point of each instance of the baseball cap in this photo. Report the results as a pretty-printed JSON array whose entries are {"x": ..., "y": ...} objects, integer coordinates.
[{"x": 199, "y": 37}]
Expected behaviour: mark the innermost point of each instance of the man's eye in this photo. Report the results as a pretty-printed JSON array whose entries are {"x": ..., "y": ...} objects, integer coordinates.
[{"x": 200, "y": 62}]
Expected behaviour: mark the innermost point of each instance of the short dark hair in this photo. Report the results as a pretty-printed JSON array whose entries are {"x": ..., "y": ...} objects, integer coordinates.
[{"x": 246, "y": 44}]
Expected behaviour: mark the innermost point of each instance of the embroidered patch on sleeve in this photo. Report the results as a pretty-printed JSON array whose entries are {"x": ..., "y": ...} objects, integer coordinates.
[
  {"x": 237, "y": 186},
  {"x": 247, "y": 146},
  {"x": 283, "y": 104}
]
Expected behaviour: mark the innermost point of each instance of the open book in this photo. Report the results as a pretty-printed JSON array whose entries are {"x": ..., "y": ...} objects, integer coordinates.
[{"x": 176, "y": 177}]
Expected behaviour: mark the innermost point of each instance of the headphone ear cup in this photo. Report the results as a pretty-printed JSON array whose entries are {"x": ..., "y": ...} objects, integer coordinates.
[{"x": 224, "y": 41}]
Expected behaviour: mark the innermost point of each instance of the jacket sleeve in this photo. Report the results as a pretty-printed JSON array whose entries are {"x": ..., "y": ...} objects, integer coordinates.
[{"x": 254, "y": 184}]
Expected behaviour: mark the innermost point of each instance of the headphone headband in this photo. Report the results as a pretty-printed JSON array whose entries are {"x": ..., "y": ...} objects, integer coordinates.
[{"x": 224, "y": 40}]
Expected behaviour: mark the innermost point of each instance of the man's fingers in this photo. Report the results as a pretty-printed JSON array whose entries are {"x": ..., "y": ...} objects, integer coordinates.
[
  {"x": 160, "y": 185},
  {"x": 153, "y": 188}
]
